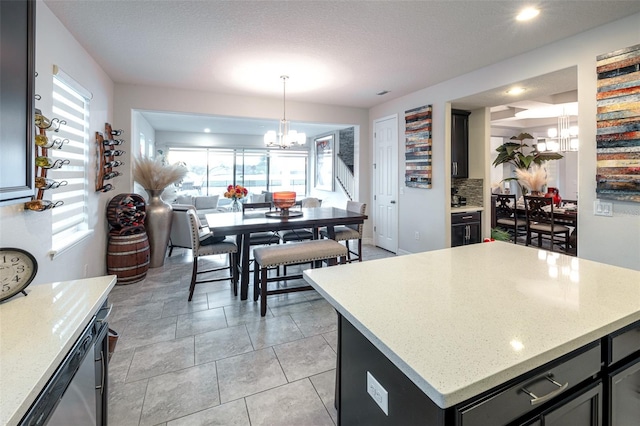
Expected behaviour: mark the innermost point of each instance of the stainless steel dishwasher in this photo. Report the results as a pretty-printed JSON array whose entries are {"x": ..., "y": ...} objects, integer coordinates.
[{"x": 76, "y": 394}]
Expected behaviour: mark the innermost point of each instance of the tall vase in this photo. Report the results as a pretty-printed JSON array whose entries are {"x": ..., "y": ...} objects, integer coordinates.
[{"x": 158, "y": 225}]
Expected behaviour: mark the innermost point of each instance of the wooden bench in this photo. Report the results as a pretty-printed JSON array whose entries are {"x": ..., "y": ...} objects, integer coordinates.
[{"x": 291, "y": 254}]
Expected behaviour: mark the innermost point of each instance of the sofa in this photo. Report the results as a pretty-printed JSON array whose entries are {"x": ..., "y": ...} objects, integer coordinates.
[{"x": 202, "y": 204}]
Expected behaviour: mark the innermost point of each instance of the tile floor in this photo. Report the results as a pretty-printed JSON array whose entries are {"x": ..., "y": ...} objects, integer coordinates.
[{"x": 214, "y": 360}]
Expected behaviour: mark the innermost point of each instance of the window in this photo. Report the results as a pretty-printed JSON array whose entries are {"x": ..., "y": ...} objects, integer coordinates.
[
  {"x": 71, "y": 104},
  {"x": 211, "y": 170}
]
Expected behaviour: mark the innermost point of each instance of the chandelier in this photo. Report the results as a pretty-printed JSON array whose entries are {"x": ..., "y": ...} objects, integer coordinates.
[
  {"x": 285, "y": 138},
  {"x": 563, "y": 138}
]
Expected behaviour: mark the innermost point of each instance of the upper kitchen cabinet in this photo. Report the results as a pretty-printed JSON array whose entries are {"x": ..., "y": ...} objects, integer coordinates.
[
  {"x": 459, "y": 143},
  {"x": 17, "y": 57}
]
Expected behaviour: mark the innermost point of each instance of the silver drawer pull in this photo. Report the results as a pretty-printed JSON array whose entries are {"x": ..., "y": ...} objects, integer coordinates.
[
  {"x": 540, "y": 399},
  {"x": 102, "y": 319},
  {"x": 467, "y": 217}
]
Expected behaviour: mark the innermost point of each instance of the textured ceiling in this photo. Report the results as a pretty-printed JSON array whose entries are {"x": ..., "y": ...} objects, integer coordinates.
[{"x": 335, "y": 52}]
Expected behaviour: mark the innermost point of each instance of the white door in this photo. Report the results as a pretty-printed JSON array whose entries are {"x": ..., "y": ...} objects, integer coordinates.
[{"x": 385, "y": 191}]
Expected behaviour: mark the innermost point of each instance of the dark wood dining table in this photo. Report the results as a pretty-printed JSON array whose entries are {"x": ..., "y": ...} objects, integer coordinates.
[
  {"x": 243, "y": 224},
  {"x": 565, "y": 217}
]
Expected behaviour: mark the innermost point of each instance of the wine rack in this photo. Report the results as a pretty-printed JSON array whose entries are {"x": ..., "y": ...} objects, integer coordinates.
[
  {"x": 43, "y": 163},
  {"x": 108, "y": 153},
  {"x": 128, "y": 247}
]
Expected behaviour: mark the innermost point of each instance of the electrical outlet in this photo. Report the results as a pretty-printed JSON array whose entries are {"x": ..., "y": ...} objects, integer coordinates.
[
  {"x": 417, "y": 235},
  {"x": 378, "y": 393},
  {"x": 602, "y": 209}
]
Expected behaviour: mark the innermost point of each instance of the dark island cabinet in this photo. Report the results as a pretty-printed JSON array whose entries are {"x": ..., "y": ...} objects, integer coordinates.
[
  {"x": 581, "y": 388},
  {"x": 622, "y": 367},
  {"x": 459, "y": 143},
  {"x": 583, "y": 409}
]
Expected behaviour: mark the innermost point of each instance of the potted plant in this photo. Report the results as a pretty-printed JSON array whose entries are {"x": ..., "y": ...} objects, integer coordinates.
[{"x": 521, "y": 156}]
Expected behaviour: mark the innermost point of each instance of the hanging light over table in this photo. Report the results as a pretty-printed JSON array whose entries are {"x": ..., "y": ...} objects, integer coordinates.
[
  {"x": 563, "y": 138},
  {"x": 285, "y": 138}
]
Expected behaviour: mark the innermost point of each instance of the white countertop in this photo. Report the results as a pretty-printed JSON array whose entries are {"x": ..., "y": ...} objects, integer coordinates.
[
  {"x": 466, "y": 209},
  {"x": 37, "y": 331},
  {"x": 460, "y": 321}
]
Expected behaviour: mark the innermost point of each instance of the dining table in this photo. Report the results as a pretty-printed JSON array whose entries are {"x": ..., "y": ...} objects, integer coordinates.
[
  {"x": 561, "y": 215},
  {"x": 242, "y": 224}
]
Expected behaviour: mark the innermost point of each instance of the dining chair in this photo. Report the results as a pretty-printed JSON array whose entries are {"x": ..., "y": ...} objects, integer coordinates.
[
  {"x": 302, "y": 234},
  {"x": 507, "y": 217},
  {"x": 180, "y": 235},
  {"x": 347, "y": 233},
  {"x": 198, "y": 249},
  {"x": 261, "y": 238},
  {"x": 540, "y": 221}
]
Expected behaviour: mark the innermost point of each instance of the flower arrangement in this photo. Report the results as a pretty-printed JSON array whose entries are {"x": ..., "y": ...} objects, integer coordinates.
[
  {"x": 154, "y": 175},
  {"x": 533, "y": 179},
  {"x": 236, "y": 192}
]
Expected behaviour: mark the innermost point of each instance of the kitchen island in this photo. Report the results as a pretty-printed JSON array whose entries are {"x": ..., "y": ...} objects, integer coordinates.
[
  {"x": 37, "y": 331},
  {"x": 448, "y": 333}
]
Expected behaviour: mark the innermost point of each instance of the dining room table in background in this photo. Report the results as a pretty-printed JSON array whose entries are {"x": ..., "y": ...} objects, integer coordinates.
[{"x": 243, "y": 224}]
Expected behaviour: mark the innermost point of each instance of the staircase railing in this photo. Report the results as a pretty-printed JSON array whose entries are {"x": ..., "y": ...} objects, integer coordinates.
[{"x": 344, "y": 176}]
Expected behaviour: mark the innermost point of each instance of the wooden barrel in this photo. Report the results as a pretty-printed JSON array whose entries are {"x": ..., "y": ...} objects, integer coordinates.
[{"x": 128, "y": 257}]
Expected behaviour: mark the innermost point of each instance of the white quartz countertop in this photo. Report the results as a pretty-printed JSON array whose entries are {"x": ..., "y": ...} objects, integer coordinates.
[
  {"x": 466, "y": 209},
  {"x": 461, "y": 321},
  {"x": 37, "y": 331}
]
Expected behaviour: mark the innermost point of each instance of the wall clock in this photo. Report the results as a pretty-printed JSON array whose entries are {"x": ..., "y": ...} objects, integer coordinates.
[{"x": 17, "y": 269}]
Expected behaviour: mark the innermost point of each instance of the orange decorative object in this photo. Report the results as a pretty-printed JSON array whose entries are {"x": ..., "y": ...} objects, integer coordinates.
[{"x": 284, "y": 199}]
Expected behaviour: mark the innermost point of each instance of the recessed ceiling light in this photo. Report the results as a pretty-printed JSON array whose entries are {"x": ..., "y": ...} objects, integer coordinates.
[
  {"x": 515, "y": 91},
  {"x": 207, "y": 130},
  {"x": 528, "y": 13}
]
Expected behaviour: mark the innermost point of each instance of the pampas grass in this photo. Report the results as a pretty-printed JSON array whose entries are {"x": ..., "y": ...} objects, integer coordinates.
[
  {"x": 533, "y": 179},
  {"x": 153, "y": 175}
]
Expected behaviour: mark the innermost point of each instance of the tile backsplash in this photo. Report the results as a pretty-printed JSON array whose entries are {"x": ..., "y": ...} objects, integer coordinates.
[{"x": 470, "y": 188}]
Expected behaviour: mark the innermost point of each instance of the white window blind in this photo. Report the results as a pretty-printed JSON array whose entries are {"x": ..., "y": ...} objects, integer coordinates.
[{"x": 71, "y": 104}]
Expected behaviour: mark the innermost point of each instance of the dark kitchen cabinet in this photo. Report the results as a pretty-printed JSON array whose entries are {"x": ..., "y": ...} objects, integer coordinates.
[
  {"x": 465, "y": 228},
  {"x": 17, "y": 79},
  {"x": 459, "y": 143},
  {"x": 622, "y": 363},
  {"x": 584, "y": 409},
  {"x": 624, "y": 402}
]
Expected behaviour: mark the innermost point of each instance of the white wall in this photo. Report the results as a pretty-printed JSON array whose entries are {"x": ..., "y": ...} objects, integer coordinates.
[
  {"x": 32, "y": 230},
  {"x": 614, "y": 240},
  {"x": 143, "y": 137}
]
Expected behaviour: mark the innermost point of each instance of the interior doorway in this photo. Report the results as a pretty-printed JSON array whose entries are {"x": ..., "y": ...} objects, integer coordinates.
[{"x": 385, "y": 187}]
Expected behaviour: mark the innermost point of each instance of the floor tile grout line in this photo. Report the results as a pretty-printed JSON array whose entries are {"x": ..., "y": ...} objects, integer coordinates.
[{"x": 318, "y": 393}]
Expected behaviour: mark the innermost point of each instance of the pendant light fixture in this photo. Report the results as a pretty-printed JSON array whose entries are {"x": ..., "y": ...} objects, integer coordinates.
[
  {"x": 285, "y": 138},
  {"x": 564, "y": 138}
]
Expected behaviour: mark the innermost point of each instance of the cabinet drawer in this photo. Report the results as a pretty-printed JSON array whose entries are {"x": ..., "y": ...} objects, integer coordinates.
[
  {"x": 623, "y": 343},
  {"x": 457, "y": 218},
  {"x": 508, "y": 403}
]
